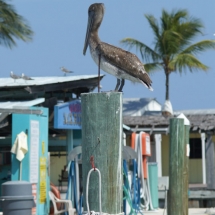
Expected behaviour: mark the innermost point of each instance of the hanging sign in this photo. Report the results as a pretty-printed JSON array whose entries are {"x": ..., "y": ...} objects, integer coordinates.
[
  {"x": 68, "y": 115},
  {"x": 42, "y": 179},
  {"x": 34, "y": 150}
]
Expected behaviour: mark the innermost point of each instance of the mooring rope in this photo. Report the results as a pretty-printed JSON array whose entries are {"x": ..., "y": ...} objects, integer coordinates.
[{"x": 100, "y": 202}]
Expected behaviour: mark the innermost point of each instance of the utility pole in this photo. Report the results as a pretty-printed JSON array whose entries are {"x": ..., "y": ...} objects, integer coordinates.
[{"x": 102, "y": 144}]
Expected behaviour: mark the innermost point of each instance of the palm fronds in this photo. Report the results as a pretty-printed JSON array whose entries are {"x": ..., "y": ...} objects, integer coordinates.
[
  {"x": 12, "y": 26},
  {"x": 146, "y": 52},
  {"x": 174, "y": 48}
]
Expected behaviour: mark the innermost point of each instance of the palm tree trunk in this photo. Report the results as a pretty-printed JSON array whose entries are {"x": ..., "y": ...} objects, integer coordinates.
[{"x": 167, "y": 85}]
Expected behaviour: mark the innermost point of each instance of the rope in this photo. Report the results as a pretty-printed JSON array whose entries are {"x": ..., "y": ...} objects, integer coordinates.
[
  {"x": 126, "y": 190},
  {"x": 136, "y": 189},
  {"x": 72, "y": 180},
  {"x": 100, "y": 202},
  {"x": 87, "y": 187}
]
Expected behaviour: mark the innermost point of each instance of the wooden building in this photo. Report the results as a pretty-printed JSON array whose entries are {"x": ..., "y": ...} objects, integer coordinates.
[{"x": 202, "y": 149}]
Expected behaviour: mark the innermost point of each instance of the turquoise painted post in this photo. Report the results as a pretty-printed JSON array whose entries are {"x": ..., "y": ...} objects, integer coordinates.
[
  {"x": 102, "y": 139},
  {"x": 23, "y": 122},
  {"x": 153, "y": 183}
]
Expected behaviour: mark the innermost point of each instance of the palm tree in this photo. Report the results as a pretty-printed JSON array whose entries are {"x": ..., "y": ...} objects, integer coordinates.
[
  {"x": 12, "y": 26},
  {"x": 173, "y": 48}
]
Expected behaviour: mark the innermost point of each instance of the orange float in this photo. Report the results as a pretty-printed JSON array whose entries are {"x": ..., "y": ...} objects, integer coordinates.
[{"x": 146, "y": 149}]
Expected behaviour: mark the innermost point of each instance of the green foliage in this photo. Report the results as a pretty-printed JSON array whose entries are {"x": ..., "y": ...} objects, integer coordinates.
[
  {"x": 173, "y": 38},
  {"x": 12, "y": 26},
  {"x": 173, "y": 49}
]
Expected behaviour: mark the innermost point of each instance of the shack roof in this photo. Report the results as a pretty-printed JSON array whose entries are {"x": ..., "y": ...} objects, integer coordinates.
[
  {"x": 37, "y": 81},
  {"x": 55, "y": 86},
  {"x": 198, "y": 122}
]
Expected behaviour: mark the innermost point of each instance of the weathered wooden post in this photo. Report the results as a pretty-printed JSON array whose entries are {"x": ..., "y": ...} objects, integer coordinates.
[
  {"x": 176, "y": 163},
  {"x": 102, "y": 139},
  {"x": 186, "y": 168},
  {"x": 185, "y": 185}
]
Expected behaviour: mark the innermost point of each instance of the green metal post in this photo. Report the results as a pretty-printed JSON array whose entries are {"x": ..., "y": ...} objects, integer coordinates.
[
  {"x": 176, "y": 163},
  {"x": 102, "y": 139},
  {"x": 186, "y": 169}
]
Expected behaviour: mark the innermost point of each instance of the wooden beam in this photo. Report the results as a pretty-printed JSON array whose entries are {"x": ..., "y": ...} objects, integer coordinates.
[
  {"x": 63, "y": 86},
  {"x": 4, "y": 123},
  {"x": 21, "y": 111}
]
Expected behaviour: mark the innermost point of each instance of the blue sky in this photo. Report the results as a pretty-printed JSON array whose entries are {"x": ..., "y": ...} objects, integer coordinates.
[{"x": 59, "y": 31}]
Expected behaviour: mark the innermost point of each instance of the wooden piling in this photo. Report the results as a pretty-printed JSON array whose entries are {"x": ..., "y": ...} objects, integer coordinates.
[
  {"x": 185, "y": 186},
  {"x": 176, "y": 164},
  {"x": 102, "y": 139}
]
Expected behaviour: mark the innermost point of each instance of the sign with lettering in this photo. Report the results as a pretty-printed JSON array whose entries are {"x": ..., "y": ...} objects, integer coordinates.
[
  {"x": 42, "y": 179},
  {"x": 68, "y": 115}
]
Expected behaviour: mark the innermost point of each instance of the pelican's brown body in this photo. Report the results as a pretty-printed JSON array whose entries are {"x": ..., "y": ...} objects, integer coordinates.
[{"x": 113, "y": 60}]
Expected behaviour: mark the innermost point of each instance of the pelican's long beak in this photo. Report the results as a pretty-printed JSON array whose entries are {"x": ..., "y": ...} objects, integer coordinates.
[{"x": 89, "y": 26}]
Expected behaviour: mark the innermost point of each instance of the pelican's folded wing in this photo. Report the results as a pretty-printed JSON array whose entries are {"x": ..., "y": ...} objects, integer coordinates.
[{"x": 125, "y": 61}]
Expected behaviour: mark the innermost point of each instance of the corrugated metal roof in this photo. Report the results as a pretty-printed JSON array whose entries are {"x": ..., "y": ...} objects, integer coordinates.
[
  {"x": 9, "y": 82},
  {"x": 195, "y": 112},
  {"x": 133, "y": 105},
  {"x": 18, "y": 105}
]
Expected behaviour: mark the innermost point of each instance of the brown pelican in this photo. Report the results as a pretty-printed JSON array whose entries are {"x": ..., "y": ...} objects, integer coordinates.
[{"x": 111, "y": 59}]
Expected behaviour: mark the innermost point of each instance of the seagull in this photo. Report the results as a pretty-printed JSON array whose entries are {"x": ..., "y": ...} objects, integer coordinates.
[
  {"x": 65, "y": 70},
  {"x": 13, "y": 76},
  {"x": 111, "y": 59},
  {"x": 25, "y": 77}
]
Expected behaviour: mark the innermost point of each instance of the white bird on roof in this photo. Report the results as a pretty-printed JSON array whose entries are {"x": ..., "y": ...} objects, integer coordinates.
[
  {"x": 63, "y": 69},
  {"x": 13, "y": 76},
  {"x": 25, "y": 77}
]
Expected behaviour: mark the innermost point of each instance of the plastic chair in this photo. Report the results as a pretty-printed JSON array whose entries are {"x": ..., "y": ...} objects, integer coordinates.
[{"x": 67, "y": 203}]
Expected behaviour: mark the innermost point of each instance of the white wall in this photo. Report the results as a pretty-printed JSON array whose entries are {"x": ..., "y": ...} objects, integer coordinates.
[
  {"x": 151, "y": 106},
  {"x": 56, "y": 165}
]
